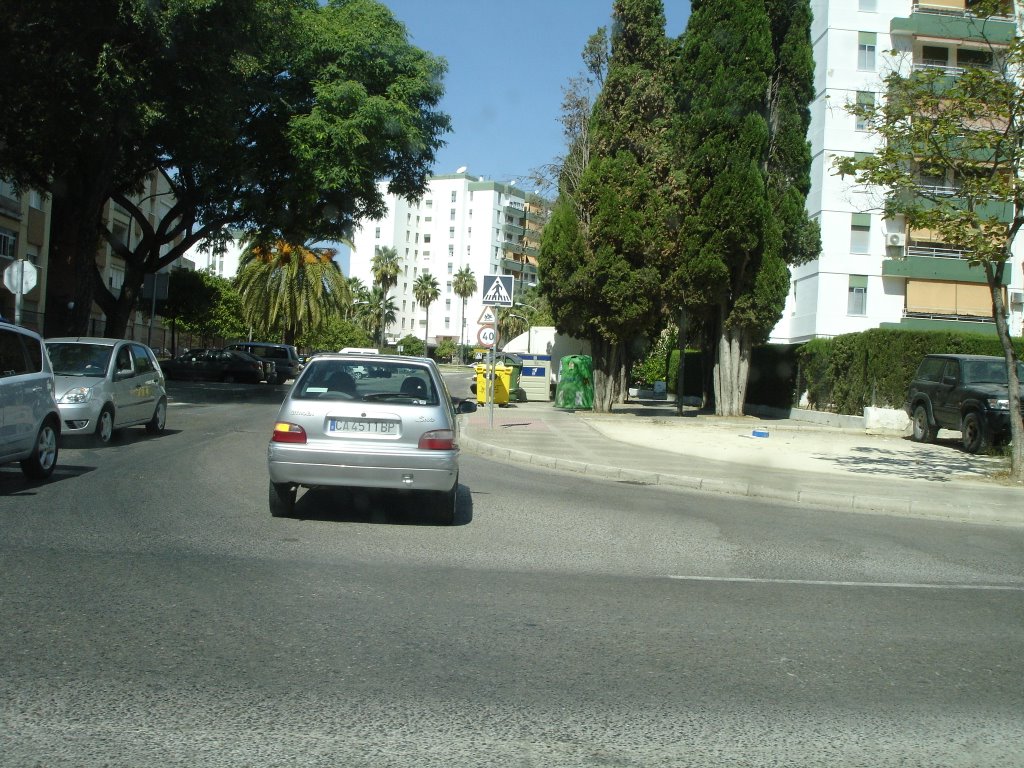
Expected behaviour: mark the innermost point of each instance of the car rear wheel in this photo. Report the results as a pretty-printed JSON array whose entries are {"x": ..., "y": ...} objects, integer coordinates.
[
  {"x": 446, "y": 504},
  {"x": 923, "y": 431},
  {"x": 282, "y": 499},
  {"x": 40, "y": 464},
  {"x": 156, "y": 424},
  {"x": 973, "y": 430},
  {"x": 105, "y": 425}
]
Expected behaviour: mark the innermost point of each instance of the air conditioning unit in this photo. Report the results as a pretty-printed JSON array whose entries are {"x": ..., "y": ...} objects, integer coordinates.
[
  {"x": 1017, "y": 297},
  {"x": 896, "y": 239}
]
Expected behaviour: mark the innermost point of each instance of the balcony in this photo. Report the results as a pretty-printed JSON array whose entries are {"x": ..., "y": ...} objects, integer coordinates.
[
  {"x": 944, "y": 23},
  {"x": 946, "y": 269},
  {"x": 518, "y": 267},
  {"x": 929, "y": 197}
]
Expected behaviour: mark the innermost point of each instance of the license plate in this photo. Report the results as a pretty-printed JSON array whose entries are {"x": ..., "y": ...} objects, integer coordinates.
[{"x": 363, "y": 426}]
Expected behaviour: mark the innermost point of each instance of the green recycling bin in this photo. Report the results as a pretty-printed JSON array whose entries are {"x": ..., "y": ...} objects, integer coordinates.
[{"x": 575, "y": 383}]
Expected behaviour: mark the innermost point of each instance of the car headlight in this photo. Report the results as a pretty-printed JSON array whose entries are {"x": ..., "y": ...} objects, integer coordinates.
[
  {"x": 998, "y": 404},
  {"x": 77, "y": 395}
]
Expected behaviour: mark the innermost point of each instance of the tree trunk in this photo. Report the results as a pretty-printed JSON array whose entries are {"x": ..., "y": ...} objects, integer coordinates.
[
  {"x": 606, "y": 358},
  {"x": 731, "y": 371},
  {"x": 681, "y": 369},
  {"x": 1003, "y": 330},
  {"x": 74, "y": 239}
]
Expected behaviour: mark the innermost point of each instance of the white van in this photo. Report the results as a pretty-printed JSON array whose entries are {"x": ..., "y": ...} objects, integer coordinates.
[{"x": 29, "y": 417}]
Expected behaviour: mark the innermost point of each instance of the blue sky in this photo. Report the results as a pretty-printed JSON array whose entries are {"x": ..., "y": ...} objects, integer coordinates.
[{"x": 507, "y": 65}]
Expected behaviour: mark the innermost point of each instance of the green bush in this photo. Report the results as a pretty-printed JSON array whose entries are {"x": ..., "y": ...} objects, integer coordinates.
[{"x": 848, "y": 373}]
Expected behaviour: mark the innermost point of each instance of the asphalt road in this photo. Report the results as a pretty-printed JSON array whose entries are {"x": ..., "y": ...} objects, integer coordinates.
[{"x": 153, "y": 613}]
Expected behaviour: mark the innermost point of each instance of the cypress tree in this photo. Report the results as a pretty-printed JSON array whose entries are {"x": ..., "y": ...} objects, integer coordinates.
[{"x": 745, "y": 82}]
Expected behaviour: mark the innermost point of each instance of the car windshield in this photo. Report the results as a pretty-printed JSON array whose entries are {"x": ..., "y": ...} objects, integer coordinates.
[
  {"x": 382, "y": 380},
  {"x": 79, "y": 359},
  {"x": 989, "y": 372}
]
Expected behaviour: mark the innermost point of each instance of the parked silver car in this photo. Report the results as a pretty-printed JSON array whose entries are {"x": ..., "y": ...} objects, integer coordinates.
[
  {"x": 29, "y": 419},
  {"x": 398, "y": 430},
  {"x": 106, "y": 384}
]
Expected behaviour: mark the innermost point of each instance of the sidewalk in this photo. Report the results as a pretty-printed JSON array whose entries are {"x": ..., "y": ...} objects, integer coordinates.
[{"x": 797, "y": 462}]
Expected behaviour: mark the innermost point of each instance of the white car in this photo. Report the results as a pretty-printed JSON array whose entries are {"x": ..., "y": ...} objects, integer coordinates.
[
  {"x": 29, "y": 419},
  {"x": 106, "y": 384}
]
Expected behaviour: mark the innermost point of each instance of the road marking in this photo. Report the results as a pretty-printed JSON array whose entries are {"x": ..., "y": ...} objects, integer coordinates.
[{"x": 820, "y": 583}]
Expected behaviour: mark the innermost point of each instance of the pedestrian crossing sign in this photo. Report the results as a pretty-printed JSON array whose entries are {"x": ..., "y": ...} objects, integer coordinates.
[{"x": 497, "y": 290}]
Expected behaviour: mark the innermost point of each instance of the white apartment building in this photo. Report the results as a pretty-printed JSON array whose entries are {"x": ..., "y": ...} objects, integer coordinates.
[
  {"x": 874, "y": 273},
  {"x": 462, "y": 220}
]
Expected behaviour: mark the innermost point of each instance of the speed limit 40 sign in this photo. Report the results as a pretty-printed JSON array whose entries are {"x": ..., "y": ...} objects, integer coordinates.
[{"x": 485, "y": 336}]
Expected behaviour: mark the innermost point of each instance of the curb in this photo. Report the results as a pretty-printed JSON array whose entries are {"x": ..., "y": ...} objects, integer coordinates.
[{"x": 857, "y": 503}]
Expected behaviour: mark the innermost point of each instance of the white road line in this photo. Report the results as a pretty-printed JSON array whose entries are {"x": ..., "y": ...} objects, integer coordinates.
[{"x": 819, "y": 583}]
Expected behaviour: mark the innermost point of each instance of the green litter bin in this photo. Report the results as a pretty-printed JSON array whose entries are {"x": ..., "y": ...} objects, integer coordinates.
[{"x": 575, "y": 383}]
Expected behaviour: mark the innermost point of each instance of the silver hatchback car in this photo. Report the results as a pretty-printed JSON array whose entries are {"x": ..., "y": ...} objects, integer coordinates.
[
  {"x": 106, "y": 384},
  {"x": 368, "y": 421}
]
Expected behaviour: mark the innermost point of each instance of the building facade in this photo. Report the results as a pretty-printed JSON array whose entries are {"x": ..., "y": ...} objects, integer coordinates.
[
  {"x": 461, "y": 221},
  {"x": 873, "y": 272},
  {"x": 24, "y": 234}
]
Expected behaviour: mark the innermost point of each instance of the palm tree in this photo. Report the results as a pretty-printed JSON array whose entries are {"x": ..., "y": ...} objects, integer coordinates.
[
  {"x": 427, "y": 291},
  {"x": 464, "y": 285},
  {"x": 385, "y": 269},
  {"x": 378, "y": 308},
  {"x": 286, "y": 288}
]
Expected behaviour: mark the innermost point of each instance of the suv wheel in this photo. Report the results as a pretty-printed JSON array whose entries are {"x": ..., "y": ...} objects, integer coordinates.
[
  {"x": 923, "y": 431},
  {"x": 973, "y": 429},
  {"x": 40, "y": 464}
]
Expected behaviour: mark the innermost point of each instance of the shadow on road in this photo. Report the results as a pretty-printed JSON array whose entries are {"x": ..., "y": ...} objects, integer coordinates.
[{"x": 357, "y": 505}]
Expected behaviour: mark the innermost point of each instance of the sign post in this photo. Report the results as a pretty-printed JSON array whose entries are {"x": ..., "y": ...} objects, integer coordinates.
[
  {"x": 497, "y": 293},
  {"x": 20, "y": 278}
]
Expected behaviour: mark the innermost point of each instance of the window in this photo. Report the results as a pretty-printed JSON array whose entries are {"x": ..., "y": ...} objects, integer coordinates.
[
  {"x": 451, "y": 215},
  {"x": 454, "y": 195},
  {"x": 857, "y": 301},
  {"x": 35, "y": 199},
  {"x": 451, "y": 251},
  {"x": 376, "y": 233},
  {"x": 8, "y": 240},
  {"x": 451, "y": 233},
  {"x": 426, "y": 239},
  {"x": 864, "y": 99},
  {"x": 430, "y": 203},
  {"x": 934, "y": 56},
  {"x": 966, "y": 57},
  {"x": 868, "y": 6},
  {"x": 7, "y": 190},
  {"x": 866, "y": 42},
  {"x": 451, "y": 268},
  {"x": 860, "y": 233}
]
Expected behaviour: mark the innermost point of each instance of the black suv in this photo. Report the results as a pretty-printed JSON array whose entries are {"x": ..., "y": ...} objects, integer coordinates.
[
  {"x": 285, "y": 356},
  {"x": 967, "y": 393}
]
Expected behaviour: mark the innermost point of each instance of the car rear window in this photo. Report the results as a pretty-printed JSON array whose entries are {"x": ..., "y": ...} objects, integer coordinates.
[{"x": 366, "y": 380}]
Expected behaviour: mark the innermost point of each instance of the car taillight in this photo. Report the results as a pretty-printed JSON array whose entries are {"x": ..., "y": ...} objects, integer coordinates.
[
  {"x": 438, "y": 440},
  {"x": 288, "y": 433}
]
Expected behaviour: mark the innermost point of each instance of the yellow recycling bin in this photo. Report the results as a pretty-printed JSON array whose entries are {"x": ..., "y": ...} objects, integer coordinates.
[{"x": 502, "y": 384}]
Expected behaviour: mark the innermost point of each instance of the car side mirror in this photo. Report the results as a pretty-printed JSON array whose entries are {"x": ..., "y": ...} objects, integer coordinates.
[{"x": 466, "y": 406}]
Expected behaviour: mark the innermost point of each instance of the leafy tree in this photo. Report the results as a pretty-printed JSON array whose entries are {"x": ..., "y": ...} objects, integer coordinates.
[
  {"x": 286, "y": 288},
  {"x": 464, "y": 285},
  {"x": 287, "y": 117},
  {"x": 603, "y": 258},
  {"x": 412, "y": 345},
  {"x": 378, "y": 312},
  {"x": 220, "y": 317},
  {"x": 426, "y": 290},
  {"x": 744, "y": 86},
  {"x": 190, "y": 300},
  {"x": 968, "y": 131},
  {"x": 334, "y": 334},
  {"x": 446, "y": 350}
]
